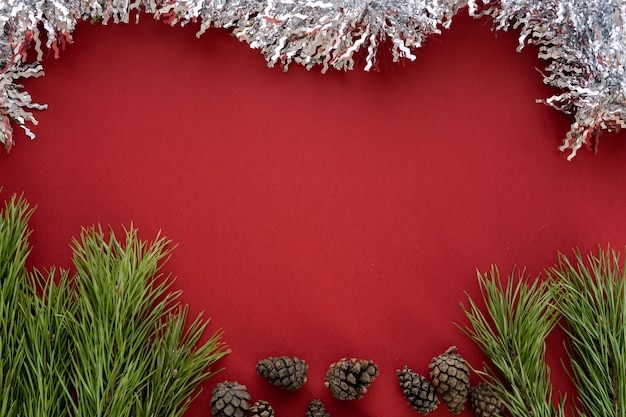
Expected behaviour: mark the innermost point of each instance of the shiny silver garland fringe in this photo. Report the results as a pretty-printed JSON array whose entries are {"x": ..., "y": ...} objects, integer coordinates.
[
  {"x": 583, "y": 41},
  {"x": 320, "y": 32}
]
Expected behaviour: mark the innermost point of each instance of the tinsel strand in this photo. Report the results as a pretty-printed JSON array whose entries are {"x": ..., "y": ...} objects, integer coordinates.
[
  {"x": 582, "y": 42},
  {"x": 319, "y": 32}
]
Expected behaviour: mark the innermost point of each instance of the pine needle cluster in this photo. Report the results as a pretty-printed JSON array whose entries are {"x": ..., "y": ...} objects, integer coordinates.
[
  {"x": 111, "y": 339},
  {"x": 591, "y": 296},
  {"x": 14, "y": 251},
  {"x": 587, "y": 298},
  {"x": 518, "y": 316}
]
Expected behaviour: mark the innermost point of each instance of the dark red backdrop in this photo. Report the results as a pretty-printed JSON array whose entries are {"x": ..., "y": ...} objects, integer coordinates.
[{"x": 323, "y": 216}]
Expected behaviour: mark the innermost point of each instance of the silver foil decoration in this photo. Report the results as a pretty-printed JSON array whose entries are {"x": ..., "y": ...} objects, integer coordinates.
[
  {"x": 582, "y": 41},
  {"x": 308, "y": 32},
  {"x": 584, "y": 44},
  {"x": 14, "y": 102}
]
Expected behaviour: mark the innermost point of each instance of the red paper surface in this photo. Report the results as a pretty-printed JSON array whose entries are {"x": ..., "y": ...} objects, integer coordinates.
[{"x": 322, "y": 216}]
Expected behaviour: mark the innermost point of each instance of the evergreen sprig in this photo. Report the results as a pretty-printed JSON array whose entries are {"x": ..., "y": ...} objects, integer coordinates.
[
  {"x": 112, "y": 339},
  {"x": 591, "y": 296},
  {"x": 511, "y": 331},
  {"x": 133, "y": 355},
  {"x": 47, "y": 308},
  {"x": 14, "y": 250}
]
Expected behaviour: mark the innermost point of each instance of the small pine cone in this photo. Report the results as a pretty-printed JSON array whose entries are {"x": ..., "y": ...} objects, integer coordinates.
[
  {"x": 350, "y": 379},
  {"x": 316, "y": 409},
  {"x": 450, "y": 376},
  {"x": 484, "y": 402},
  {"x": 418, "y": 391},
  {"x": 230, "y": 399},
  {"x": 284, "y": 371},
  {"x": 261, "y": 408}
]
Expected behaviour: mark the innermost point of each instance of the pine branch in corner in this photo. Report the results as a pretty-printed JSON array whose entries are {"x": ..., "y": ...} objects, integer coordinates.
[
  {"x": 510, "y": 326},
  {"x": 591, "y": 296},
  {"x": 134, "y": 355}
]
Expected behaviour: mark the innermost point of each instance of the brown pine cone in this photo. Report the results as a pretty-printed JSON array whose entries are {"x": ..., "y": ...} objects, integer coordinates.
[
  {"x": 484, "y": 402},
  {"x": 230, "y": 399},
  {"x": 261, "y": 408},
  {"x": 316, "y": 409},
  {"x": 349, "y": 379},
  {"x": 449, "y": 373},
  {"x": 418, "y": 391},
  {"x": 284, "y": 371}
]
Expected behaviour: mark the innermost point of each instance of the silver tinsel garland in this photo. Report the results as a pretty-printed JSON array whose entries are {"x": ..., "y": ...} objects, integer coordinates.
[{"x": 582, "y": 41}]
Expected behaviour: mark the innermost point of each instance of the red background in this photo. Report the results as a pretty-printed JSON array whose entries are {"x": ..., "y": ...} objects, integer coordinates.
[{"x": 323, "y": 216}]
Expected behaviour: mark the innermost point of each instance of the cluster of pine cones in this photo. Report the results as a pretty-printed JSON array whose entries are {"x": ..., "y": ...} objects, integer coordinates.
[
  {"x": 231, "y": 399},
  {"x": 349, "y": 379},
  {"x": 449, "y": 374}
]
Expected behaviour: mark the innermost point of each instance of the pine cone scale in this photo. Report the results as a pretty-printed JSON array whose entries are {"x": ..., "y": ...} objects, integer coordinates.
[
  {"x": 484, "y": 402},
  {"x": 316, "y": 409},
  {"x": 449, "y": 373},
  {"x": 350, "y": 379},
  {"x": 418, "y": 391},
  {"x": 284, "y": 371},
  {"x": 262, "y": 408},
  {"x": 230, "y": 399}
]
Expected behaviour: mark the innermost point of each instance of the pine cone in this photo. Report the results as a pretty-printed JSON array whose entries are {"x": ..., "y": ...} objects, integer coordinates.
[
  {"x": 350, "y": 379},
  {"x": 230, "y": 399},
  {"x": 420, "y": 393},
  {"x": 261, "y": 408},
  {"x": 484, "y": 402},
  {"x": 316, "y": 409},
  {"x": 284, "y": 371},
  {"x": 450, "y": 376}
]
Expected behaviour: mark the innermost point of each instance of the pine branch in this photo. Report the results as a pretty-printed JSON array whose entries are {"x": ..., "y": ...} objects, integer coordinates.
[
  {"x": 14, "y": 250},
  {"x": 180, "y": 366},
  {"x": 133, "y": 356},
  {"x": 591, "y": 296},
  {"x": 47, "y": 365},
  {"x": 112, "y": 341},
  {"x": 511, "y": 331}
]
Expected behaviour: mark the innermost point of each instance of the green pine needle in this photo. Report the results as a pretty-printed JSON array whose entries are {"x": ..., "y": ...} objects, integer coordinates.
[
  {"x": 47, "y": 365},
  {"x": 110, "y": 340},
  {"x": 14, "y": 250},
  {"x": 591, "y": 296},
  {"x": 511, "y": 331},
  {"x": 134, "y": 354}
]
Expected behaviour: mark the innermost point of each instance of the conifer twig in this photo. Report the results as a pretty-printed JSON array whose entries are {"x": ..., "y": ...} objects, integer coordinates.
[
  {"x": 14, "y": 250},
  {"x": 591, "y": 295},
  {"x": 111, "y": 340},
  {"x": 511, "y": 330},
  {"x": 132, "y": 353},
  {"x": 47, "y": 366}
]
